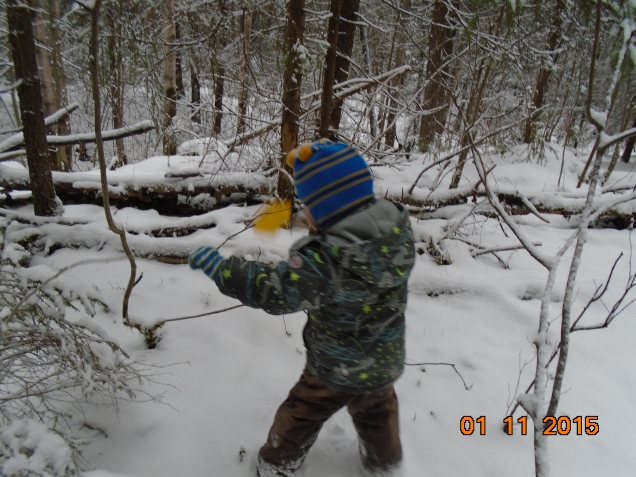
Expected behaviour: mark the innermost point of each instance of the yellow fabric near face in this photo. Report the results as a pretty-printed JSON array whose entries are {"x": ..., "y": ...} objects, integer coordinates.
[{"x": 275, "y": 215}]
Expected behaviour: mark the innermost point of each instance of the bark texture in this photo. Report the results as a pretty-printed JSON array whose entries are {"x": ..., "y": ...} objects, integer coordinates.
[
  {"x": 19, "y": 20},
  {"x": 440, "y": 48},
  {"x": 547, "y": 67},
  {"x": 116, "y": 83},
  {"x": 169, "y": 80},
  {"x": 330, "y": 67},
  {"x": 292, "y": 82},
  {"x": 245, "y": 62},
  {"x": 52, "y": 78},
  {"x": 344, "y": 48}
]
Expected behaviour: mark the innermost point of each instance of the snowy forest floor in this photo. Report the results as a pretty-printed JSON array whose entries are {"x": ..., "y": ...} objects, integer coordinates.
[{"x": 224, "y": 375}]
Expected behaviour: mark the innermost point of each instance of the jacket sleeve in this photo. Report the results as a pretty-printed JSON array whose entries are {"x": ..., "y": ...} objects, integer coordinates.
[{"x": 300, "y": 283}]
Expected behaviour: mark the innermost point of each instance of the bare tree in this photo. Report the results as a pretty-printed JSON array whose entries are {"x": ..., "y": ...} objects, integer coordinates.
[
  {"x": 19, "y": 19},
  {"x": 344, "y": 49},
  {"x": 52, "y": 76},
  {"x": 329, "y": 72},
  {"x": 245, "y": 59},
  {"x": 169, "y": 79},
  {"x": 440, "y": 48},
  {"x": 293, "y": 58},
  {"x": 547, "y": 67}
]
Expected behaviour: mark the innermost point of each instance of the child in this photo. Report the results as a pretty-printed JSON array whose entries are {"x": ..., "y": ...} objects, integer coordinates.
[{"x": 351, "y": 278}]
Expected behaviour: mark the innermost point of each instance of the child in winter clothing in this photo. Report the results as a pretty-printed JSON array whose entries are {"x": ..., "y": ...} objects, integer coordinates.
[{"x": 351, "y": 278}]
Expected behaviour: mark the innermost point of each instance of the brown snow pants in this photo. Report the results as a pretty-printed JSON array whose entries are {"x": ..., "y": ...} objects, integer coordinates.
[{"x": 310, "y": 403}]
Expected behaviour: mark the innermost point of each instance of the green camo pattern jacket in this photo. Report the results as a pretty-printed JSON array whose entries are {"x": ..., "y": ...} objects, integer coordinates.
[{"x": 352, "y": 281}]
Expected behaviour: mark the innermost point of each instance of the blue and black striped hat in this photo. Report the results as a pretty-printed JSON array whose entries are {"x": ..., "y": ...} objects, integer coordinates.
[{"x": 331, "y": 179}]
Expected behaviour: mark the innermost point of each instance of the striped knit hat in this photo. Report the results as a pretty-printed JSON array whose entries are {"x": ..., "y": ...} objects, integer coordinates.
[{"x": 331, "y": 179}]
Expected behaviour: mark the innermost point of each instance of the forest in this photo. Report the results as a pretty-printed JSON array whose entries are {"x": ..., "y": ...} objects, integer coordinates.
[{"x": 133, "y": 131}]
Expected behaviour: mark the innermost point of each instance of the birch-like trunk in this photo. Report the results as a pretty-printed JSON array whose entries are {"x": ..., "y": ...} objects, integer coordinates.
[{"x": 52, "y": 79}]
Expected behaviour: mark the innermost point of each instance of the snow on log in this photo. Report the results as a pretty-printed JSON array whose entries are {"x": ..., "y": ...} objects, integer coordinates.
[{"x": 168, "y": 195}]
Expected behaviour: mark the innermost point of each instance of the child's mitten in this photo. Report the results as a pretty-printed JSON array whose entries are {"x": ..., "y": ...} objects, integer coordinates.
[{"x": 207, "y": 259}]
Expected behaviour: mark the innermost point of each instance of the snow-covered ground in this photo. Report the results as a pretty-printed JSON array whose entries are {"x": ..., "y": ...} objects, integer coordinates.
[{"x": 221, "y": 377}]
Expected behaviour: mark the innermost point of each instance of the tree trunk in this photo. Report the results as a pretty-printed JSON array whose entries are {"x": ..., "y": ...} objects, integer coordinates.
[
  {"x": 545, "y": 72},
  {"x": 116, "y": 79},
  {"x": 195, "y": 91},
  {"x": 480, "y": 80},
  {"x": 440, "y": 48},
  {"x": 245, "y": 59},
  {"x": 51, "y": 72},
  {"x": 629, "y": 146},
  {"x": 398, "y": 42},
  {"x": 293, "y": 53},
  {"x": 219, "y": 87},
  {"x": 169, "y": 80},
  {"x": 178, "y": 64},
  {"x": 373, "y": 118},
  {"x": 19, "y": 16},
  {"x": 344, "y": 48},
  {"x": 330, "y": 68}
]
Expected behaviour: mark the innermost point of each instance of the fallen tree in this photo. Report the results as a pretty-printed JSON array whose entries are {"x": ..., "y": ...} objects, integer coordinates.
[
  {"x": 200, "y": 190},
  {"x": 172, "y": 195}
]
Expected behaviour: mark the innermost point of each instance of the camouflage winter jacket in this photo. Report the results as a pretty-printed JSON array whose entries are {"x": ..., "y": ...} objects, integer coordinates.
[{"x": 352, "y": 280}]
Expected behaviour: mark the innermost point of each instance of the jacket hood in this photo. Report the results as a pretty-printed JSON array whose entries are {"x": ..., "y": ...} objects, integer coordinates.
[{"x": 375, "y": 244}]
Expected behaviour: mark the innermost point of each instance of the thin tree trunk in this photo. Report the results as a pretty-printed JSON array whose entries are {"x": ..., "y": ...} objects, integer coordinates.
[
  {"x": 219, "y": 87},
  {"x": 178, "y": 64},
  {"x": 195, "y": 91},
  {"x": 169, "y": 80},
  {"x": 245, "y": 58},
  {"x": 399, "y": 41},
  {"x": 480, "y": 79},
  {"x": 629, "y": 146},
  {"x": 94, "y": 69},
  {"x": 52, "y": 77},
  {"x": 292, "y": 82},
  {"x": 116, "y": 80},
  {"x": 472, "y": 112},
  {"x": 373, "y": 118},
  {"x": 547, "y": 67},
  {"x": 21, "y": 39},
  {"x": 344, "y": 48},
  {"x": 330, "y": 68},
  {"x": 440, "y": 48}
]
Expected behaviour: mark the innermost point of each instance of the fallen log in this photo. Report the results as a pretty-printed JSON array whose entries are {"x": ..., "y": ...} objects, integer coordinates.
[
  {"x": 174, "y": 196},
  {"x": 194, "y": 194}
]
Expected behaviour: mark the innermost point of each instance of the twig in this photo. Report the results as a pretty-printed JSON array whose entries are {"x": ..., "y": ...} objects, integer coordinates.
[
  {"x": 160, "y": 323},
  {"x": 76, "y": 264},
  {"x": 442, "y": 364}
]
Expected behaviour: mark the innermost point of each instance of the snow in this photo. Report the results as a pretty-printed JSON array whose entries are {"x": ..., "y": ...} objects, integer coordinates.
[
  {"x": 223, "y": 376},
  {"x": 599, "y": 117},
  {"x": 28, "y": 444}
]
